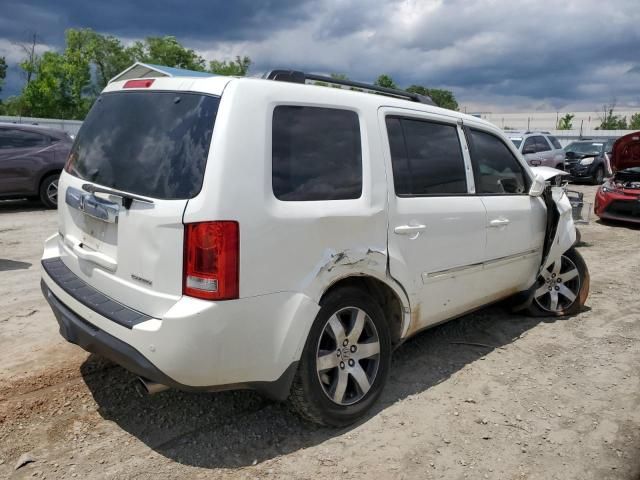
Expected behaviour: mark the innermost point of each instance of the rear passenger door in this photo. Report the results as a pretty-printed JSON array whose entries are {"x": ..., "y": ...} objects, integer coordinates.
[
  {"x": 515, "y": 221},
  {"x": 436, "y": 223}
]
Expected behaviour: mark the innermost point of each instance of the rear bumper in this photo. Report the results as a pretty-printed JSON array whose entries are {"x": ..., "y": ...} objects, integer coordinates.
[
  {"x": 80, "y": 332},
  {"x": 253, "y": 342}
]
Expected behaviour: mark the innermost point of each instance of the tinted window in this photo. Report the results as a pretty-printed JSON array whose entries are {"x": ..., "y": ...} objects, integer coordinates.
[
  {"x": 554, "y": 141},
  {"x": 149, "y": 143},
  {"x": 517, "y": 142},
  {"x": 14, "y": 138},
  {"x": 496, "y": 169},
  {"x": 530, "y": 143},
  {"x": 316, "y": 154},
  {"x": 542, "y": 145},
  {"x": 426, "y": 158}
]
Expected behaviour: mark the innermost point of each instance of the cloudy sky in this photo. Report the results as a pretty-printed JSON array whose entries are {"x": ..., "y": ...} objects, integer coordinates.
[{"x": 495, "y": 55}]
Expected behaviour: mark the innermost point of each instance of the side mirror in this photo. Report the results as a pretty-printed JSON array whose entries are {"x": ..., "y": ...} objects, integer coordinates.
[
  {"x": 528, "y": 149},
  {"x": 537, "y": 186}
]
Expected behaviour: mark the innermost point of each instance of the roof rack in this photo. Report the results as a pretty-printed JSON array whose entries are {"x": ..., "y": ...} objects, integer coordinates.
[
  {"x": 537, "y": 131},
  {"x": 295, "y": 76}
]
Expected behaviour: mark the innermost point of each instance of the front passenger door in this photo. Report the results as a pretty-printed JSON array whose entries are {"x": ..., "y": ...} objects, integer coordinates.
[{"x": 515, "y": 221}]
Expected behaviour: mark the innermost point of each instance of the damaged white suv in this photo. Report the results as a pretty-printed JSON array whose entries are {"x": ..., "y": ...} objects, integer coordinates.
[{"x": 219, "y": 233}]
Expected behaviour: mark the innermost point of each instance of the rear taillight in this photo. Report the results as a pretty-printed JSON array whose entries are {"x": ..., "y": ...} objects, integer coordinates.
[
  {"x": 212, "y": 254},
  {"x": 138, "y": 84}
]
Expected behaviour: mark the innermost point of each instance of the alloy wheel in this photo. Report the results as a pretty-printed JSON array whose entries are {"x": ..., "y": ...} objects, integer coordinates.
[
  {"x": 558, "y": 286},
  {"x": 52, "y": 191},
  {"x": 348, "y": 356}
]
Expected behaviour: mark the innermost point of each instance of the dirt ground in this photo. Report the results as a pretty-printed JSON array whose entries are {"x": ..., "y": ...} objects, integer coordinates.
[{"x": 491, "y": 395}]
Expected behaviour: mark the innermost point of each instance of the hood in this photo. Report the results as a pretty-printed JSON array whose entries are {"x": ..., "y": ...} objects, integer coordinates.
[
  {"x": 626, "y": 152},
  {"x": 548, "y": 172},
  {"x": 579, "y": 156}
]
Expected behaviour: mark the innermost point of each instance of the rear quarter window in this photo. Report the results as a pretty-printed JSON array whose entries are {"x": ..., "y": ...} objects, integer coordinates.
[
  {"x": 554, "y": 141},
  {"x": 316, "y": 154}
]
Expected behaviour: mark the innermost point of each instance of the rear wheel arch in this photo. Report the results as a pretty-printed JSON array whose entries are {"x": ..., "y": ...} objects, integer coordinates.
[{"x": 392, "y": 302}]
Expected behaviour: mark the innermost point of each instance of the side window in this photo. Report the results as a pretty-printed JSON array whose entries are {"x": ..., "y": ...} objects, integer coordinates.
[
  {"x": 426, "y": 158},
  {"x": 529, "y": 146},
  {"x": 316, "y": 154},
  {"x": 14, "y": 138},
  {"x": 497, "y": 171},
  {"x": 554, "y": 141},
  {"x": 5, "y": 138},
  {"x": 542, "y": 145}
]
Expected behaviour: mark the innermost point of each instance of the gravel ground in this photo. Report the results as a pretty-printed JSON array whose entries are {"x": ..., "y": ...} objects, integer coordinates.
[{"x": 490, "y": 395}]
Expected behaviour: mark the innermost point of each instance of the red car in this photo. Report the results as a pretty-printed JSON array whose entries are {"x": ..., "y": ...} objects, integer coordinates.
[{"x": 619, "y": 197}]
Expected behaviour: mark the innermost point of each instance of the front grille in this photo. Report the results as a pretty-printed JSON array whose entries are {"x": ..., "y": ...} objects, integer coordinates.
[{"x": 628, "y": 208}]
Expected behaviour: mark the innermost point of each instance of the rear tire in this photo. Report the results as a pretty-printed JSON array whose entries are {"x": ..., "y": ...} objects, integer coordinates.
[
  {"x": 345, "y": 362},
  {"x": 563, "y": 289},
  {"x": 49, "y": 191}
]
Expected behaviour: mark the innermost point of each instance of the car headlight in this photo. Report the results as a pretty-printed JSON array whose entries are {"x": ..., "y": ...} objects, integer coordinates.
[
  {"x": 608, "y": 187},
  {"x": 587, "y": 161}
]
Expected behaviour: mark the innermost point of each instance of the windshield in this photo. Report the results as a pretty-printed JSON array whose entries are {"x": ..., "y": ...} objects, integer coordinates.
[
  {"x": 516, "y": 142},
  {"x": 585, "y": 147},
  {"x": 153, "y": 144}
]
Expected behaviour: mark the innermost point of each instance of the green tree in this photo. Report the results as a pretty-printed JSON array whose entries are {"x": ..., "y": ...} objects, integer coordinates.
[
  {"x": 105, "y": 52},
  {"x": 610, "y": 121},
  {"x": 236, "y": 68},
  {"x": 11, "y": 106},
  {"x": 166, "y": 51},
  {"x": 386, "y": 81},
  {"x": 441, "y": 97},
  {"x": 566, "y": 122},
  {"x": 634, "y": 123},
  {"x": 3, "y": 71}
]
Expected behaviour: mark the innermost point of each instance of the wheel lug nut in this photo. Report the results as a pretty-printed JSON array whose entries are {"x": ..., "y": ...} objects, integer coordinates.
[
  {"x": 351, "y": 362},
  {"x": 342, "y": 365},
  {"x": 559, "y": 280},
  {"x": 353, "y": 348},
  {"x": 345, "y": 342},
  {"x": 550, "y": 289},
  {"x": 338, "y": 353},
  {"x": 557, "y": 288},
  {"x": 553, "y": 275}
]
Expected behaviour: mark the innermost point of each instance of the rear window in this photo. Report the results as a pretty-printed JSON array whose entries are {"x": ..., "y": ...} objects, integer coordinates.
[
  {"x": 316, "y": 154},
  {"x": 153, "y": 144}
]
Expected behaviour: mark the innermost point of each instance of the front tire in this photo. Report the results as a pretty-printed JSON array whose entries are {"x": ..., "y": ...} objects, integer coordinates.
[
  {"x": 49, "y": 191},
  {"x": 598, "y": 177},
  {"x": 562, "y": 289},
  {"x": 345, "y": 362}
]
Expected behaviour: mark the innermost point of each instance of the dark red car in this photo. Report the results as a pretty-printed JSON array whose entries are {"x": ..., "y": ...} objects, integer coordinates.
[
  {"x": 31, "y": 159},
  {"x": 619, "y": 197}
]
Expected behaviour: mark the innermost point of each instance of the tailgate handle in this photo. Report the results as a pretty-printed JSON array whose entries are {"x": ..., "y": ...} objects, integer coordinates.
[
  {"x": 95, "y": 257},
  {"x": 93, "y": 206}
]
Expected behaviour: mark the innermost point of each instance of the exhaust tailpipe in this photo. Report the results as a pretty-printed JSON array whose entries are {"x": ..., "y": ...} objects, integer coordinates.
[{"x": 151, "y": 388}]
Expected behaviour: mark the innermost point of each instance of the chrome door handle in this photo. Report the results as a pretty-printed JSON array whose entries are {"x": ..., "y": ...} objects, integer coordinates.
[
  {"x": 499, "y": 222},
  {"x": 409, "y": 229}
]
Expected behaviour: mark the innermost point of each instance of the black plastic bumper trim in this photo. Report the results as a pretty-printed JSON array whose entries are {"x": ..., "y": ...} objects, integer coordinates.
[
  {"x": 89, "y": 296},
  {"x": 78, "y": 331}
]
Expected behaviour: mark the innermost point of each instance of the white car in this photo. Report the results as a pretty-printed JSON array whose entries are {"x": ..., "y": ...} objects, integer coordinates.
[{"x": 219, "y": 233}]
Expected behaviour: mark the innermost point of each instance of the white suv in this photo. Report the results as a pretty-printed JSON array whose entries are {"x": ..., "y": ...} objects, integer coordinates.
[{"x": 219, "y": 233}]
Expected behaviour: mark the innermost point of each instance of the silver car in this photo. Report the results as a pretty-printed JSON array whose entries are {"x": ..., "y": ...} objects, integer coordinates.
[{"x": 539, "y": 148}]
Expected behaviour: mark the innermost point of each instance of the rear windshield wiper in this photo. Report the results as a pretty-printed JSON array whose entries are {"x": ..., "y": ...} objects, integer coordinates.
[{"x": 127, "y": 198}]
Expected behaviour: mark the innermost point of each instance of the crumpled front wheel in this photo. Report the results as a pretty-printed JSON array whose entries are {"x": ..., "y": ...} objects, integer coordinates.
[{"x": 562, "y": 288}]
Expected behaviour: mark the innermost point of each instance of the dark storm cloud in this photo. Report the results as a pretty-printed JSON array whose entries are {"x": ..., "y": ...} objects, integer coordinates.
[
  {"x": 517, "y": 54},
  {"x": 195, "y": 19}
]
